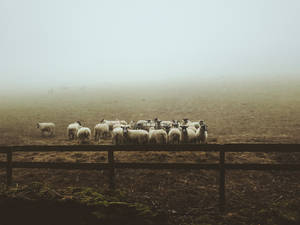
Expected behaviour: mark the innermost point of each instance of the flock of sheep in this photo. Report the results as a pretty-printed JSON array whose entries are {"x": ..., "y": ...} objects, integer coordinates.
[{"x": 140, "y": 132}]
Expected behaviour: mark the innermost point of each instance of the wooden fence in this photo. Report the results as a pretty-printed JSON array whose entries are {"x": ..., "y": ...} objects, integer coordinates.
[{"x": 111, "y": 165}]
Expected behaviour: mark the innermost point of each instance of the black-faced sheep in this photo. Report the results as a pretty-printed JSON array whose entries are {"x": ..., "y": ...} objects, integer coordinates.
[
  {"x": 202, "y": 134},
  {"x": 84, "y": 135},
  {"x": 188, "y": 135},
  {"x": 72, "y": 129}
]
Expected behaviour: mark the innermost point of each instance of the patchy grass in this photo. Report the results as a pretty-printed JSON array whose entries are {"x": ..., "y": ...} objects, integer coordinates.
[{"x": 38, "y": 204}]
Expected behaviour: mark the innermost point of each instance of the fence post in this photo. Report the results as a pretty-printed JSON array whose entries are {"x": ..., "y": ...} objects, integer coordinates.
[
  {"x": 8, "y": 168},
  {"x": 222, "y": 182},
  {"x": 111, "y": 169}
]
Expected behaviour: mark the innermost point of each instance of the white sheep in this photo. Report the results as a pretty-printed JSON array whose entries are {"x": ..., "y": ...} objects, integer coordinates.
[
  {"x": 174, "y": 136},
  {"x": 48, "y": 128},
  {"x": 135, "y": 136},
  {"x": 166, "y": 123},
  {"x": 123, "y": 122},
  {"x": 202, "y": 134},
  {"x": 194, "y": 124},
  {"x": 158, "y": 136},
  {"x": 101, "y": 130},
  {"x": 188, "y": 135},
  {"x": 117, "y": 136},
  {"x": 193, "y": 128},
  {"x": 140, "y": 124},
  {"x": 185, "y": 122},
  {"x": 84, "y": 135},
  {"x": 72, "y": 129},
  {"x": 132, "y": 124},
  {"x": 110, "y": 123}
]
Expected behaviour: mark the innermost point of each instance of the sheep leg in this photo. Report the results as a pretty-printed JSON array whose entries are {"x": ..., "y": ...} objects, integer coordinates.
[{"x": 96, "y": 135}]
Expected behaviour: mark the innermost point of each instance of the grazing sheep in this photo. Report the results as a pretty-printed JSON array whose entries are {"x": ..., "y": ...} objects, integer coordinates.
[
  {"x": 135, "y": 136},
  {"x": 84, "y": 135},
  {"x": 101, "y": 130},
  {"x": 202, "y": 134},
  {"x": 174, "y": 136},
  {"x": 117, "y": 136},
  {"x": 72, "y": 130},
  {"x": 159, "y": 136},
  {"x": 187, "y": 135},
  {"x": 48, "y": 128}
]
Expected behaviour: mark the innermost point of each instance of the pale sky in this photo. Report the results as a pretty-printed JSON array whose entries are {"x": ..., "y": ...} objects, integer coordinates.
[{"x": 58, "y": 42}]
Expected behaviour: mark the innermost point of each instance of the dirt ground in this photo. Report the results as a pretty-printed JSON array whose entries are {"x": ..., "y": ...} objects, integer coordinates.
[{"x": 243, "y": 114}]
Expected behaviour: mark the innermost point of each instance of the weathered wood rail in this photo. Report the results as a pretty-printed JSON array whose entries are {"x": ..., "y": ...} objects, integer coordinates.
[{"x": 111, "y": 165}]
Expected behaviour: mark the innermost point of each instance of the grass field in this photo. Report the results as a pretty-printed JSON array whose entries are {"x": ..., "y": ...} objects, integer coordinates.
[{"x": 254, "y": 113}]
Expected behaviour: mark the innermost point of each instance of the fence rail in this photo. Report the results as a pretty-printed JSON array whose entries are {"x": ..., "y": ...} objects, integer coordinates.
[{"x": 111, "y": 165}]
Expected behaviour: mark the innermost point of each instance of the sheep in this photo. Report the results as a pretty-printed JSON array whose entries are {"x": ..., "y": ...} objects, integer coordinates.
[
  {"x": 174, "y": 136},
  {"x": 143, "y": 125},
  {"x": 135, "y": 136},
  {"x": 166, "y": 123},
  {"x": 194, "y": 124},
  {"x": 72, "y": 129},
  {"x": 193, "y": 128},
  {"x": 157, "y": 124},
  {"x": 185, "y": 122},
  {"x": 123, "y": 122},
  {"x": 167, "y": 129},
  {"x": 132, "y": 124},
  {"x": 101, "y": 130},
  {"x": 159, "y": 136},
  {"x": 84, "y": 135},
  {"x": 117, "y": 136},
  {"x": 46, "y": 128},
  {"x": 187, "y": 135},
  {"x": 140, "y": 124},
  {"x": 202, "y": 134},
  {"x": 110, "y": 123}
]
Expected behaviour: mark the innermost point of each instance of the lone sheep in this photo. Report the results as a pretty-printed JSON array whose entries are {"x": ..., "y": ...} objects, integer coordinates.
[{"x": 46, "y": 128}]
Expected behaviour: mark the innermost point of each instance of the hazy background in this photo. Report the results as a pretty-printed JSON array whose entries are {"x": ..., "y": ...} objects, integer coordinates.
[{"x": 71, "y": 43}]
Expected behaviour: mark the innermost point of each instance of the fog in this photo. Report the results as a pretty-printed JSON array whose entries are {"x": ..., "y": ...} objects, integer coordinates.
[{"x": 61, "y": 44}]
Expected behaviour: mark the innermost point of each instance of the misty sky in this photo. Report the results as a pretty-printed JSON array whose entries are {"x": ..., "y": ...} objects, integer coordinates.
[{"x": 71, "y": 42}]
